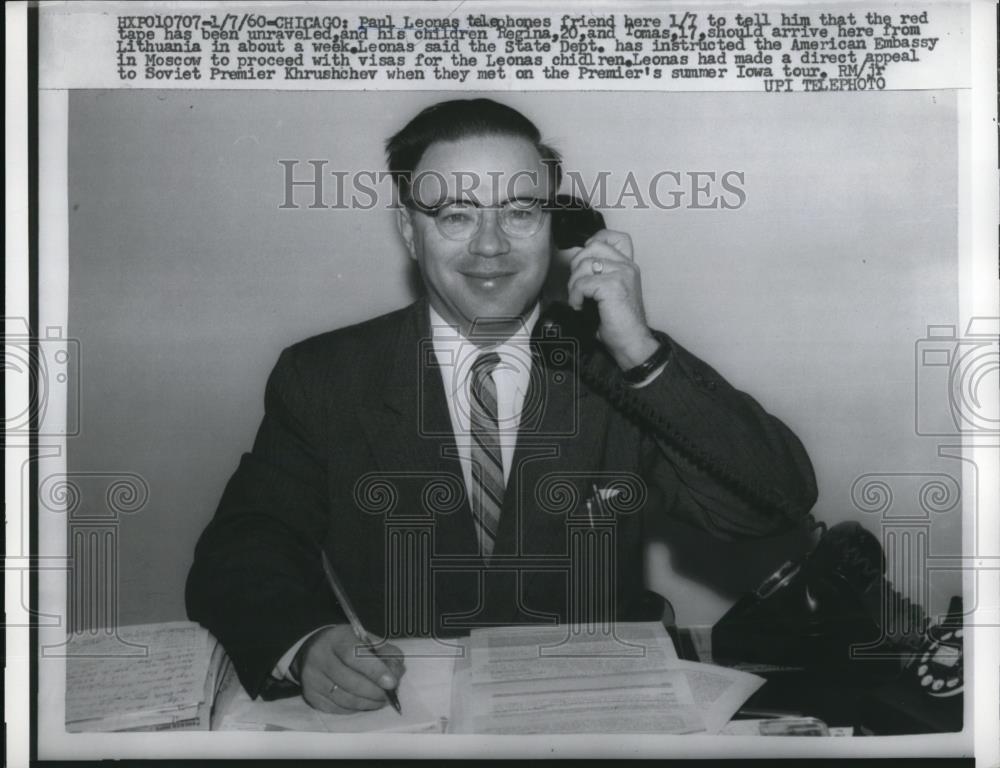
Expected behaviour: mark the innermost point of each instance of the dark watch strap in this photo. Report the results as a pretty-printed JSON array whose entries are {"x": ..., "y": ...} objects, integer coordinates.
[{"x": 639, "y": 374}]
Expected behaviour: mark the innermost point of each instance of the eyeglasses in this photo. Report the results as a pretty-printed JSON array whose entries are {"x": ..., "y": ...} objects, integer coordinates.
[{"x": 518, "y": 217}]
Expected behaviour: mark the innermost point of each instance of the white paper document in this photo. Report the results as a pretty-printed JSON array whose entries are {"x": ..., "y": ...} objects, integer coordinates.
[
  {"x": 524, "y": 680},
  {"x": 718, "y": 692}
]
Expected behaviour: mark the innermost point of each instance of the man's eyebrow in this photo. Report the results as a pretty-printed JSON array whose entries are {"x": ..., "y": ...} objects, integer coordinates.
[{"x": 464, "y": 201}]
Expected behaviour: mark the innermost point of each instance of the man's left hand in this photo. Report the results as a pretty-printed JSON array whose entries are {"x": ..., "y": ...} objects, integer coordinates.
[{"x": 604, "y": 270}]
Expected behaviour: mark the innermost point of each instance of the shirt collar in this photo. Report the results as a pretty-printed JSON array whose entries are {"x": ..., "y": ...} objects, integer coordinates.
[
  {"x": 446, "y": 332},
  {"x": 456, "y": 353}
]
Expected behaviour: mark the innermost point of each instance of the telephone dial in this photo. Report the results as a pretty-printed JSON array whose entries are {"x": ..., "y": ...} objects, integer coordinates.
[
  {"x": 937, "y": 667},
  {"x": 928, "y": 696}
]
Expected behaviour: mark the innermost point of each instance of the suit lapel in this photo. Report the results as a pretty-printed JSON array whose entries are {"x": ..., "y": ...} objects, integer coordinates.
[{"x": 409, "y": 432}]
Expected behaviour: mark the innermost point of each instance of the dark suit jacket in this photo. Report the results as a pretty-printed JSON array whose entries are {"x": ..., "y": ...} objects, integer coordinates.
[{"x": 356, "y": 455}]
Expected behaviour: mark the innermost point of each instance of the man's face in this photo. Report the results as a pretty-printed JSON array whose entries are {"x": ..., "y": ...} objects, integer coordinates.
[{"x": 491, "y": 274}]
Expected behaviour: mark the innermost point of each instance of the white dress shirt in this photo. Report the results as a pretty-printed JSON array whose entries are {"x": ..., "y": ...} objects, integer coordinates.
[{"x": 455, "y": 355}]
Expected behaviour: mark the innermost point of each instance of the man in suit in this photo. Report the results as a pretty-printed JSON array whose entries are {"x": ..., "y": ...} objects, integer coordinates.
[{"x": 465, "y": 461}]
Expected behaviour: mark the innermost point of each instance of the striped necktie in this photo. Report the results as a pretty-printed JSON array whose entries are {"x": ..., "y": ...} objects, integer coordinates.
[{"x": 487, "y": 461}]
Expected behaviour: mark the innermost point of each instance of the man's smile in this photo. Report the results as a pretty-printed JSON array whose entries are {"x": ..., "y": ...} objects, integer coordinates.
[{"x": 487, "y": 279}]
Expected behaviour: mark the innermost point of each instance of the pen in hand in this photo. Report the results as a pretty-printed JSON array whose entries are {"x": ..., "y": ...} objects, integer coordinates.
[{"x": 352, "y": 617}]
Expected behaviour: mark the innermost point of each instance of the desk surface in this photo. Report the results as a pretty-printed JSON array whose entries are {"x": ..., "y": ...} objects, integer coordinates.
[{"x": 425, "y": 691}]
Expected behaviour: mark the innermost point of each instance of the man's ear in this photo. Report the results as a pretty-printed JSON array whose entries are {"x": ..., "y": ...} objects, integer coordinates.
[{"x": 404, "y": 223}]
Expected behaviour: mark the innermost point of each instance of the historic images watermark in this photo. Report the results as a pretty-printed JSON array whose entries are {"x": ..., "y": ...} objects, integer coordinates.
[
  {"x": 956, "y": 379},
  {"x": 51, "y": 364},
  {"x": 93, "y": 503},
  {"x": 311, "y": 184}
]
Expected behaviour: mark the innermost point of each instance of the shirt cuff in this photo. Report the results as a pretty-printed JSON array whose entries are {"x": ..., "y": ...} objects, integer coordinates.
[
  {"x": 652, "y": 376},
  {"x": 282, "y": 669}
]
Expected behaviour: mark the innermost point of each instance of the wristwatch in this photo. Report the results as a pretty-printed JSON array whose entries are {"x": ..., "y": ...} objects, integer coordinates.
[{"x": 641, "y": 372}]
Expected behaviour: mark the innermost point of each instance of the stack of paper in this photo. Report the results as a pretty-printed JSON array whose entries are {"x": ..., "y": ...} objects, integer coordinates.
[
  {"x": 626, "y": 679},
  {"x": 145, "y": 677}
]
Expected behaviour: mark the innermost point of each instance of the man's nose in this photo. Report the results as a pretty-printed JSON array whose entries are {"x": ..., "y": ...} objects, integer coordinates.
[{"x": 490, "y": 240}]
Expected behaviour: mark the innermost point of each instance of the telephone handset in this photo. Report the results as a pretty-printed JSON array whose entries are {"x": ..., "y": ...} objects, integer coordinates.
[{"x": 573, "y": 222}]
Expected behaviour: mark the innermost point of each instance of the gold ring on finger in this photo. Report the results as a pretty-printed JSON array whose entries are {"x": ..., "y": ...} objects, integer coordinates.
[{"x": 597, "y": 266}]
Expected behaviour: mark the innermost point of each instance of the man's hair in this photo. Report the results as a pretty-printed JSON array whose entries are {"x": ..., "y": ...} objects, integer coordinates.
[{"x": 461, "y": 119}]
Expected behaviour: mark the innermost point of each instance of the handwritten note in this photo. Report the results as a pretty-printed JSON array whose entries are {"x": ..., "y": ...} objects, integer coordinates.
[{"x": 103, "y": 683}]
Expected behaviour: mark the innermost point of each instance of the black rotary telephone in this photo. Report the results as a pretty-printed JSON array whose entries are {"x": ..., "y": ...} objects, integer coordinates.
[{"x": 834, "y": 615}]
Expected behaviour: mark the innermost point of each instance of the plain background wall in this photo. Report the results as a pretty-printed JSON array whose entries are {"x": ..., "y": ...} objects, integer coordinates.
[{"x": 186, "y": 281}]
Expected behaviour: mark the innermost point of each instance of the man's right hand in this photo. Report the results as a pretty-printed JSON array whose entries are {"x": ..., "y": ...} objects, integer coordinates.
[{"x": 339, "y": 674}]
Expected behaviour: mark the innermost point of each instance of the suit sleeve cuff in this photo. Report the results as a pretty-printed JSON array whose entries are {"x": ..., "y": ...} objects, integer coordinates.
[
  {"x": 652, "y": 376},
  {"x": 283, "y": 668}
]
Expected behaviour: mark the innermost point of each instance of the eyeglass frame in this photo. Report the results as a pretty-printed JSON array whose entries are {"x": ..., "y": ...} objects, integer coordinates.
[{"x": 433, "y": 211}]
